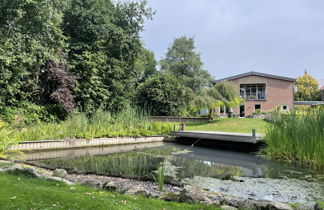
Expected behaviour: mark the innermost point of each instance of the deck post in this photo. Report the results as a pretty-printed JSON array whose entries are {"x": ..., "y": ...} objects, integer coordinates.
[
  {"x": 174, "y": 127},
  {"x": 253, "y": 133}
]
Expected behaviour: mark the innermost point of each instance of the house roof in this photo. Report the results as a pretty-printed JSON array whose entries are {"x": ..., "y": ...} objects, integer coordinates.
[
  {"x": 253, "y": 73},
  {"x": 322, "y": 88}
]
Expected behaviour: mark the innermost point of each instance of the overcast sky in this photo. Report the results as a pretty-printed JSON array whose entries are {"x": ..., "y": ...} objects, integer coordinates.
[{"x": 282, "y": 37}]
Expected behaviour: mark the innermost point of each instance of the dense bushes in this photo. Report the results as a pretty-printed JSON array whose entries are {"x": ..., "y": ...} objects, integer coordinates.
[
  {"x": 297, "y": 136},
  {"x": 72, "y": 53},
  {"x": 163, "y": 95}
]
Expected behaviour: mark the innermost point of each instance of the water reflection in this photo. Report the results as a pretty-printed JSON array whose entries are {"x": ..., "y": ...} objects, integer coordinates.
[{"x": 179, "y": 162}]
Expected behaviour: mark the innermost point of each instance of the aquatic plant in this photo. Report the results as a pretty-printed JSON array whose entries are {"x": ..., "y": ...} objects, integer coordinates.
[
  {"x": 126, "y": 123},
  {"x": 159, "y": 179},
  {"x": 297, "y": 136},
  {"x": 5, "y": 141}
]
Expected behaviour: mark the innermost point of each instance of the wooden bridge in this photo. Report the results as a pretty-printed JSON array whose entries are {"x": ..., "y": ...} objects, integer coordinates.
[{"x": 221, "y": 136}]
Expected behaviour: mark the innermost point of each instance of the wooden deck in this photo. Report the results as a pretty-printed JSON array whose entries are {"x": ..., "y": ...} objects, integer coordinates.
[{"x": 220, "y": 136}]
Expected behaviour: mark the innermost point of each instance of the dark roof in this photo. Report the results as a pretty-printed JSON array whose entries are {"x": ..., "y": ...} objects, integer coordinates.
[
  {"x": 308, "y": 102},
  {"x": 253, "y": 73}
]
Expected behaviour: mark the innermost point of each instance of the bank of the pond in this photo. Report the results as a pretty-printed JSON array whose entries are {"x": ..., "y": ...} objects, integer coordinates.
[
  {"x": 79, "y": 143},
  {"x": 21, "y": 191},
  {"x": 128, "y": 123}
]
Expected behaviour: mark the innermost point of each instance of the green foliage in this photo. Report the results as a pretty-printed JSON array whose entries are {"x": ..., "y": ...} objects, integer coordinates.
[
  {"x": 104, "y": 47},
  {"x": 184, "y": 62},
  {"x": 28, "y": 114},
  {"x": 163, "y": 95},
  {"x": 43, "y": 42},
  {"x": 222, "y": 94},
  {"x": 145, "y": 65},
  {"x": 307, "y": 88},
  {"x": 20, "y": 192},
  {"x": 126, "y": 123},
  {"x": 298, "y": 137},
  {"x": 159, "y": 179},
  {"x": 30, "y": 36}
]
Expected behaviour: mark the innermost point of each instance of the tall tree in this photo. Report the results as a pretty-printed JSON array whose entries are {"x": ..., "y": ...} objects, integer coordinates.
[
  {"x": 307, "y": 88},
  {"x": 104, "y": 45},
  {"x": 30, "y": 37},
  {"x": 145, "y": 65},
  {"x": 183, "y": 61}
]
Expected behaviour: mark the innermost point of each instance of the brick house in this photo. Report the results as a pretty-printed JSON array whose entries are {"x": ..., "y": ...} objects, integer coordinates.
[{"x": 264, "y": 92}]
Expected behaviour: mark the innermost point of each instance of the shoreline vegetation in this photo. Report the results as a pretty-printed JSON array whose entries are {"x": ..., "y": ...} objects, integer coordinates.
[
  {"x": 126, "y": 123},
  {"x": 297, "y": 137}
]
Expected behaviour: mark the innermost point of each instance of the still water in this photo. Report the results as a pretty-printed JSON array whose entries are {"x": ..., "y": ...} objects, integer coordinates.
[
  {"x": 179, "y": 162},
  {"x": 240, "y": 174}
]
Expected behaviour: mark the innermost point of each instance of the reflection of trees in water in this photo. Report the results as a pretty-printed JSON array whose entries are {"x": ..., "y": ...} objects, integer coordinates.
[
  {"x": 191, "y": 168},
  {"x": 143, "y": 163},
  {"x": 277, "y": 169}
]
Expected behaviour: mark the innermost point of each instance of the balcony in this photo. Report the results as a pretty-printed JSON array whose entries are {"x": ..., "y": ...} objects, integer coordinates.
[{"x": 253, "y": 92}]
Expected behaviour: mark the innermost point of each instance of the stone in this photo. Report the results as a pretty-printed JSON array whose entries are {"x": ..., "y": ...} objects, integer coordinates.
[
  {"x": 278, "y": 206},
  {"x": 21, "y": 170},
  {"x": 138, "y": 191},
  {"x": 169, "y": 196},
  {"x": 59, "y": 179},
  {"x": 193, "y": 194},
  {"x": 92, "y": 183},
  {"x": 110, "y": 186},
  {"x": 225, "y": 207},
  {"x": 60, "y": 173}
]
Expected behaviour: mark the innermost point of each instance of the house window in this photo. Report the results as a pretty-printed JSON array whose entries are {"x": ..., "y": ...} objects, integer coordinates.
[
  {"x": 253, "y": 92},
  {"x": 257, "y": 107},
  {"x": 284, "y": 107}
]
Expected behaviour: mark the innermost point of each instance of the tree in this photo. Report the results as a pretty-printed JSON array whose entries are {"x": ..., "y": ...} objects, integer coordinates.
[
  {"x": 104, "y": 48},
  {"x": 307, "y": 88},
  {"x": 145, "y": 65},
  {"x": 222, "y": 94},
  {"x": 163, "y": 95},
  {"x": 30, "y": 36},
  {"x": 184, "y": 62}
]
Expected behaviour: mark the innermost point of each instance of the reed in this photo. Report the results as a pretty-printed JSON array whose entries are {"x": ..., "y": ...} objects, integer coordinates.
[
  {"x": 126, "y": 123},
  {"x": 298, "y": 137},
  {"x": 159, "y": 178}
]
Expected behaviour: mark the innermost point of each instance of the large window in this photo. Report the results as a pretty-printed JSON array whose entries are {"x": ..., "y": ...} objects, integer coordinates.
[{"x": 253, "y": 92}]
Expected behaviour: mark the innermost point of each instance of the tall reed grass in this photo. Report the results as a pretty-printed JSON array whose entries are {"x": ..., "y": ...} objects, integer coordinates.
[
  {"x": 127, "y": 123},
  {"x": 297, "y": 136}
]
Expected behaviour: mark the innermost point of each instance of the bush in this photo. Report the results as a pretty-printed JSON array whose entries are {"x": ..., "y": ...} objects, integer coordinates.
[{"x": 28, "y": 114}]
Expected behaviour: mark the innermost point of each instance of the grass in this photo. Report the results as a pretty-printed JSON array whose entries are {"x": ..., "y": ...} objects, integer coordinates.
[
  {"x": 320, "y": 204},
  {"x": 237, "y": 125},
  {"x": 127, "y": 123},
  {"x": 19, "y": 192},
  {"x": 297, "y": 137}
]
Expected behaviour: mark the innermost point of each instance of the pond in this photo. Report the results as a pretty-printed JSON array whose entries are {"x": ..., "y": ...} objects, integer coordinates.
[{"x": 236, "y": 173}]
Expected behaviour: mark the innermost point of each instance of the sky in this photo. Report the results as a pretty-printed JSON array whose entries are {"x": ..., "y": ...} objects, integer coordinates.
[{"x": 282, "y": 37}]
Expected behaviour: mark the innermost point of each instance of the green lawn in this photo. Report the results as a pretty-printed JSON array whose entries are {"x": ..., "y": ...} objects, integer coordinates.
[
  {"x": 239, "y": 125},
  {"x": 19, "y": 192}
]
